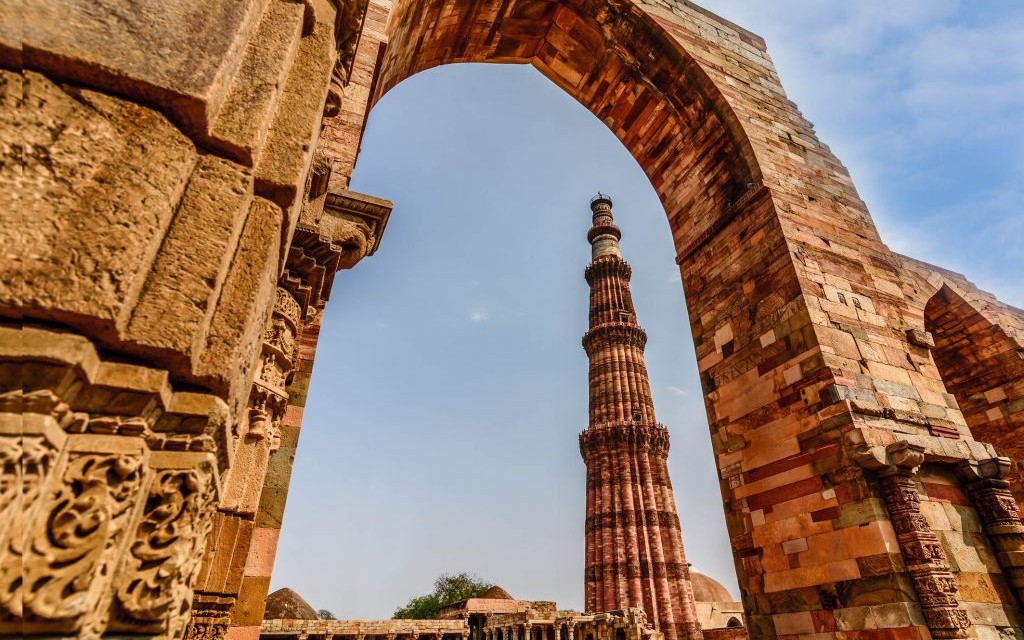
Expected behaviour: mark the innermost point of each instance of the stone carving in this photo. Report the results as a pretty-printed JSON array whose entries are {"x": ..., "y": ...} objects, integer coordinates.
[
  {"x": 926, "y": 562},
  {"x": 26, "y": 459},
  {"x": 86, "y": 470},
  {"x": 347, "y": 26},
  {"x": 268, "y": 398},
  {"x": 990, "y": 492},
  {"x": 610, "y": 436},
  {"x": 75, "y": 536},
  {"x": 165, "y": 551}
]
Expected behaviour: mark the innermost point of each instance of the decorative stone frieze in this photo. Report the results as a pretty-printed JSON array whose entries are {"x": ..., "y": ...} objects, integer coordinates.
[
  {"x": 922, "y": 552},
  {"x": 601, "y": 438},
  {"x": 1000, "y": 515},
  {"x": 118, "y": 478}
]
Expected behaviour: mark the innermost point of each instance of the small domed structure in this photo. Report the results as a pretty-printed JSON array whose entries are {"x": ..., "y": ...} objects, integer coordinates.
[
  {"x": 496, "y": 593},
  {"x": 285, "y": 604},
  {"x": 706, "y": 589}
]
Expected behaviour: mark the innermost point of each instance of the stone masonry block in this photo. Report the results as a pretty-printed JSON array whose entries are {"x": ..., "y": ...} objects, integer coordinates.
[
  {"x": 83, "y": 244},
  {"x": 194, "y": 261},
  {"x": 179, "y": 54}
]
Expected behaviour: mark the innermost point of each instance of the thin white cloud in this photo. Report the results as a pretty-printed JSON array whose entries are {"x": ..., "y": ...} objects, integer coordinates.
[
  {"x": 679, "y": 392},
  {"x": 479, "y": 315}
]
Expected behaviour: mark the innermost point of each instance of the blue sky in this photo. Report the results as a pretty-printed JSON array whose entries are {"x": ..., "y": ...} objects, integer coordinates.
[{"x": 450, "y": 385}]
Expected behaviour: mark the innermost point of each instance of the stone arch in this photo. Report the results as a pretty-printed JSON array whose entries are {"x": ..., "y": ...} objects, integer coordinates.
[
  {"x": 617, "y": 61},
  {"x": 982, "y": 365}
]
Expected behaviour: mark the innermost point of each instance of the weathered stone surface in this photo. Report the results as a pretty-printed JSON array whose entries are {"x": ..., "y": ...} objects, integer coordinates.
[
  {"x": 284, "y": 162},
  {"x": 236, "y": 329},
  {"x": 194, "y": 261},
  {"x": 177, "y": 54},
  {"x": 88, "y": 161},
  {"x": 809, "y": 332},
  {"x": 242, "y": 123},
  {"x": 285, "y": 604}
]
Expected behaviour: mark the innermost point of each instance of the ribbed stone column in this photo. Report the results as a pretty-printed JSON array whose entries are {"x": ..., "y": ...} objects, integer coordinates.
[{"x": 634, "y": 546}]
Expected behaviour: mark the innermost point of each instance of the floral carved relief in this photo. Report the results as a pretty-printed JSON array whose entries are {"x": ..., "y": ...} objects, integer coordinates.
[
  {"x": 74, "y": 538},
  {"x": 164, "y": 553}
]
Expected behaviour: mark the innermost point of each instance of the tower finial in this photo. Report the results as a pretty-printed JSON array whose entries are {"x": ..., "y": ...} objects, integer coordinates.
[
  {"x": 600, "y": 197},
  {"x": 604, "y": 235}
]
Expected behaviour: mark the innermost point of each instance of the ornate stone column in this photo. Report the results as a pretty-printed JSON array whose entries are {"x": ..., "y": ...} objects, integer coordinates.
[
  {"x": 926, "y": 562},
  {"x": 997, "y": 507}
]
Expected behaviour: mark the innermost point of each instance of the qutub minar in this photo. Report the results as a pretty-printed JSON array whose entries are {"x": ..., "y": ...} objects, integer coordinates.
[{"x": 634, "y": 545}]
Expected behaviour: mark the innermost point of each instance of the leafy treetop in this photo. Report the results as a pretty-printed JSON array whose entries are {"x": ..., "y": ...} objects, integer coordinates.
[{"x": 448, "y": 589}]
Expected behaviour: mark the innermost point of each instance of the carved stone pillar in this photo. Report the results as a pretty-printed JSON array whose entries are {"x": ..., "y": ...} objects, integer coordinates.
[
  {"x": 1000, "y": 516},
  {"x": 572, "y": 631},
  {"x": 926, "y": 562}
]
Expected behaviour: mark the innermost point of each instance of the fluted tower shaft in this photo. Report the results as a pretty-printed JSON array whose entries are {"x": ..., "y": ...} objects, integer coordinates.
[{"x": 634, "y": 545}]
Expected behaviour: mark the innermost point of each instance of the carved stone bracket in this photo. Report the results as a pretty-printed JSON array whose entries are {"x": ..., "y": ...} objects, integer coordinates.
[
  {"x": 107, "y": 484},
  {"x": 926, "y": 562},
  {"x": 613, "y": 436},
  {"x": 999, "y": 513}
]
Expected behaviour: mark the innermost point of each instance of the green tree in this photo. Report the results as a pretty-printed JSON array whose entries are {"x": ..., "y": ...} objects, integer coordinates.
[{"x": 449, "y": 588}]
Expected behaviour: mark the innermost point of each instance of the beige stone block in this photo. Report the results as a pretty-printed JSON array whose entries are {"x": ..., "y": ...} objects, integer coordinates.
[
  {"x": 985, "y": 613},
  {"x": 288, "y": 149},
  {"x": 83, "y": 241},
  {"x": 236, "y": 329},
  {"x": 962, "y": 556},
  {"x": 242, "y": 123},
  {"x": 787, "y": 624},
  {"x": 262, "y": 551},
  {"x": 177, "y": 53},
  {"x": 897, "y": 614},
  {"x": 935, "y": 514},
  {"x": 995, "y": 395},
  {"x": 181, "y": 292}
]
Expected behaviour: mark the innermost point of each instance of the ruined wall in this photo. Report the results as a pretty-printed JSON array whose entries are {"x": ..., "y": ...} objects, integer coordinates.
[{"x": 978, "y": 345}]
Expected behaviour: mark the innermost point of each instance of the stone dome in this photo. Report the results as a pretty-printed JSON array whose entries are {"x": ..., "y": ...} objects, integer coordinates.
[
  {"x": 706, "y": 589},
  {"x": 285, "y": 604},
  {"x": 496, "y": 593}
]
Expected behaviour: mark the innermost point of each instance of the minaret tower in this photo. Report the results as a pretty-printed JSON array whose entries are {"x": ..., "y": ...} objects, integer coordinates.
[{"x": 634, "y": 550}]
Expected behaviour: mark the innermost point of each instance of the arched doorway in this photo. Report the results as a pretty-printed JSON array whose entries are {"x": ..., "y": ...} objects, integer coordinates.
[{"x": 983, "y": 367}]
